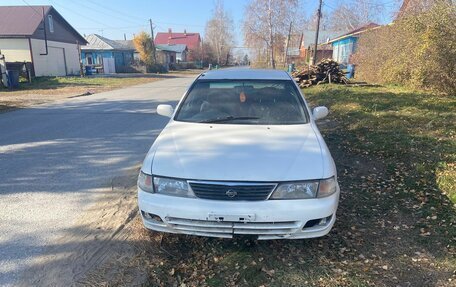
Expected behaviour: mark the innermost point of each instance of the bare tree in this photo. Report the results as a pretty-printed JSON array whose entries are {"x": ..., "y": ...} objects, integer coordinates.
[
  {"x": 311, "y": 22},
  {"x": 349, "y": 16},
  {"x": 219, "y": 34},
  {"x": 266, "y": 25}
]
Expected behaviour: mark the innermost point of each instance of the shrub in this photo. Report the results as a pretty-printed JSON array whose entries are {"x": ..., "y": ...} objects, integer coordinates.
[
  {"x": 186, "y": 65},
  {"x": 418, "y": 51},
  {"x": 156, "y": 68}
]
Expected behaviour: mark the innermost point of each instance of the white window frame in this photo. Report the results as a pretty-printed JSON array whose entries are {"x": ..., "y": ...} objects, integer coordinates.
[
  {"x": 51, "y": 23},
  {"x": 89, "y": 56}
]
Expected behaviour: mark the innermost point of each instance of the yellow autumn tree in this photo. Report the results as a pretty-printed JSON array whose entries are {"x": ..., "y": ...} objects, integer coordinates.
[{"x": 144, "y": 45}]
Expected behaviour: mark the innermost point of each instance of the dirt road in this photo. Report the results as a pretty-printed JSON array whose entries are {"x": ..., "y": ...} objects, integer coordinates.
[{"x": 68, "y": 172}]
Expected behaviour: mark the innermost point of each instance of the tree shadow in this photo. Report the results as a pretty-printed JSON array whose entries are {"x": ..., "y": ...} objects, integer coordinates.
[
  {"x": 52, "y": 83},
  {"x": 60, "y": 158},
  {"x": 82, "y": 145}
]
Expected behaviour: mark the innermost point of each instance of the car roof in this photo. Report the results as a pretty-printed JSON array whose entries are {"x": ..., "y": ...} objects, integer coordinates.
[{"x": 245, "y": 74}]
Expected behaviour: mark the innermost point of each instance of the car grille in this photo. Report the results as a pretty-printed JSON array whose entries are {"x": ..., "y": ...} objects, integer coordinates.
[
  {"x": 232, "y": 191},
  {"x": 228, "y": 229}
]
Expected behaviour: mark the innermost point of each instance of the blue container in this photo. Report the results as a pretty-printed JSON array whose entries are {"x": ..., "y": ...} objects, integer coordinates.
[
  {"x": 13, "y": 79},
  {"x": 350, "y": 71},
  {"x": 88, "y": 70},
  {"x": 291, "y": 68}
]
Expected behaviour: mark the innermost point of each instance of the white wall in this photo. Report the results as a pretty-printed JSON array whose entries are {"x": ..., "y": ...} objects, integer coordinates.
[
  {"x": 62, "y": 58},
  {"x": 15, "y": 50}
]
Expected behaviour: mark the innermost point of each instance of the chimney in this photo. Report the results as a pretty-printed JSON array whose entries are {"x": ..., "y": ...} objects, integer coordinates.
[
  {"x": 170, "y": 31},
  {"x": 185, "y": 32}
]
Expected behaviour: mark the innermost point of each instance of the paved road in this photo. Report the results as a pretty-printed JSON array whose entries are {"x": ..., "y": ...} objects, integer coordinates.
[{"x": 56, "y": 158}]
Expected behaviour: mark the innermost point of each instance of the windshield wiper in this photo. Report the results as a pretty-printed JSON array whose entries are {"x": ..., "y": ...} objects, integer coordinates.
[{"x": 228, "y": 119}]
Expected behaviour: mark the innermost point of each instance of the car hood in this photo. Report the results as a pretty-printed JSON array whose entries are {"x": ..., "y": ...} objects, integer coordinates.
[{"x": 237, "y": 152}]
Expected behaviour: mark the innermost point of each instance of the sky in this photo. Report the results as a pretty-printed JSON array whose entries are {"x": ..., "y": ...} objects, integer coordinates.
[{"x": 114, "y": 18}]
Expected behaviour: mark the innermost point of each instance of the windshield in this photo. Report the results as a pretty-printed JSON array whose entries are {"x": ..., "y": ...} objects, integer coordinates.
[{"x": 265, "y": 102}]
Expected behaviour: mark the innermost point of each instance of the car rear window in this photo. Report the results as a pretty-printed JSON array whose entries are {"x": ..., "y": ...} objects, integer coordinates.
[{"x": 265, "y": 102}]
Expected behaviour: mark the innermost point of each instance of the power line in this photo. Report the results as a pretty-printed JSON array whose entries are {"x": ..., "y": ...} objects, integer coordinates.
[
  {"x": 98, "y": 11},
  {"x": 177, "y": 24},
  {"x": 373, "y": 4},
  {"x": 123, "y": 14},
  {"x": 160, "y": 27},
  {"x": 33, "y": 8},
  {"x": 81, "y": 15},
  {"x": 382, "y": 3},
  {"x": 115, "y": 16},
  {"x": 331, "y": 7},
  {"x": 122, "y": 17},
  {"x": 113, "y": 28}
]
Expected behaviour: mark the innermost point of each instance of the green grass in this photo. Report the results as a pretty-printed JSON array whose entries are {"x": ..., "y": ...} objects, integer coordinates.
[
  {"x": 398, "y": 126},
  {"x": 410, "y": 133},
  {"x": 49, "y": 83}
]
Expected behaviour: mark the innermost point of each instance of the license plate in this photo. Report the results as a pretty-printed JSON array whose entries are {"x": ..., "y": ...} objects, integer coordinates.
[{"x": 231, "y": 217}]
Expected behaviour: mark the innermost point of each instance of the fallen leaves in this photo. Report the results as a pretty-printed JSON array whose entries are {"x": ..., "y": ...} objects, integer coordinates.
[
  {"x": 270, "y": 272},
  {"x": 394, "y": 225}
]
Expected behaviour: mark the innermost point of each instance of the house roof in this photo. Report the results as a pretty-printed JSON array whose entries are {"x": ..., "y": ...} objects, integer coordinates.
[
  {"x": 293, "y": 52},
  {"x": 323, "y": 37},
  {"x": 357, "y": 31},
  {"x": 191, "y": 40},
  {"x": 127, "y": 44},
  {"x": 23, "y": 21},
  {"x": 294, "y": 44},
  {"x": 178, "y": 48},
  {"x": 97, "y": 42}
]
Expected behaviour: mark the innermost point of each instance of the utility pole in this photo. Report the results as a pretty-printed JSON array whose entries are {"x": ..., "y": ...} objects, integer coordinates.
[
  {"x": 288, "y": 43},
  {"x": 81, "y": 67},
  {"x": 202, "y": 54},
  {"x": 45, "y": 36},
  {"x": 153, "y": 43},
  {"x": 314, "y": 59}
]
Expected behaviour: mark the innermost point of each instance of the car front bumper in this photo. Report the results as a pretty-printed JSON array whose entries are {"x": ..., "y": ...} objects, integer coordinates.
[{"x": 268, "y": 219}]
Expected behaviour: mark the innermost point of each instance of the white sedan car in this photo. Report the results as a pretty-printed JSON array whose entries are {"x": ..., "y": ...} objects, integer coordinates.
[{"x": 241, "y": 155}]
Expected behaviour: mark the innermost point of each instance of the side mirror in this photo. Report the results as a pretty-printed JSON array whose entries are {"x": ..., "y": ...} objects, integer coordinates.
[
  {"x": 165, "y": 110},
  {"x": 320, "y": 112}
]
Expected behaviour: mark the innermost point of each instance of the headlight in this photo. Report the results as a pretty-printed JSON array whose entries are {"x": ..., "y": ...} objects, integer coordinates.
[
  {"x": 305, "y": 189},
  {"x": 327, "y": 187},
  {"x": 172, "y": 186},
  {"x": 145, "y": 182},
  {"x": 296, "y": 190}
]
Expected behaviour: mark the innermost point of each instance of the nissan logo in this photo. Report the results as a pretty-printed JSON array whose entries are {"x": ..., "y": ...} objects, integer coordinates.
[{"x": 231, "y": 193}]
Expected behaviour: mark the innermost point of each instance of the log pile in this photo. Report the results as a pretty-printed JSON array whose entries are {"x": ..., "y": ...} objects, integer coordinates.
[{"x": 327, "y": 71}]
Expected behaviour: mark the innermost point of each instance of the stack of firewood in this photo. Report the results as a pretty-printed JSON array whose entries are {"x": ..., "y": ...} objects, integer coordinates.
[{"x": 327, "y": 71}]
